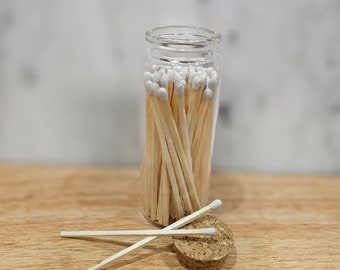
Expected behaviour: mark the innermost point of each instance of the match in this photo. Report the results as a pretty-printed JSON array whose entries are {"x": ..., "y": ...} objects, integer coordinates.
[{"x": 203, "y": 231}]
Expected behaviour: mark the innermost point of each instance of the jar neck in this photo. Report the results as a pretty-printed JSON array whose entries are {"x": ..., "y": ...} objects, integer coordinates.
[
  {"x": 201, "y": 58},
  {"x": 182, "y": 44}
]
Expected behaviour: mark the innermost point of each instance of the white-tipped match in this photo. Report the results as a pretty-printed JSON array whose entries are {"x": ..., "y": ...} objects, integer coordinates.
[
  {"x": 177, "y": 77},
  {"x": 204, "y": 77},
  {"x": 162, "y": 93},
  {"x": 192, "y": 75},
  {"x": 186, "y": 70},
  {"x": 205, "y": 231},
  {"x": 183, "y": 74},
  {"x": 208, "y": 94},
  {"x": 147, "y": 76},
  {"x": 213, "y": 82},
  {"x": 180, "y": 87},
  {"x": 164, "y": 81},
  {"x": 213, "y": 73},
  {"x": 209, "y": 70},
  {"x": 208, "y": 231},
  {"x": 177, "y": 68},
  {"x": 197, "y": 82},
  {"x": 149, "y": 87},
  {"x": 156, "y": 76},
  {"x": 215, "y": 204},
  {"x": 171, "y": 74}
]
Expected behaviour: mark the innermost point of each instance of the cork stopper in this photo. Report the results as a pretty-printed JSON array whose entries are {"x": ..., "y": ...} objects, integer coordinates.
[{"x": 204, "y": 252}]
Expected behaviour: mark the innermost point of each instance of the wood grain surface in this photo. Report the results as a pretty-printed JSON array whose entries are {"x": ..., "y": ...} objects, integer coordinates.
[{"x": 278, "y": 221}]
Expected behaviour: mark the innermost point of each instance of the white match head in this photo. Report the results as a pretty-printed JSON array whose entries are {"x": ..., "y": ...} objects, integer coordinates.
[
  {"x": 171, "y": 74},
  {"x": 156, "y": 76},
  {"x": 197, "y": 82},
  {"x": 215, "y": 204},
  {"x": 213, "y": 73},
  {"x": 177, "y": 68},
  {"x": 213, "y": 82},
  {"x": 208, "y": 231},
  {"x": 150, "y": 87},
  {"x": 177, "y": 77},
  {"x": 208, "y": 94},
  {"x": 209, "y": 70},
  {"x": 180, "y": 87},
  {"x": 192, "y": 75},
  {"x": 164, "y": 81},
  {"x": 185, "y": 70},
  {"x": 147, "y": 76},
  {"x": 200, "y": 69},
  {"x": 184, "y": 74},
  {"x": 162, "y": 93}
]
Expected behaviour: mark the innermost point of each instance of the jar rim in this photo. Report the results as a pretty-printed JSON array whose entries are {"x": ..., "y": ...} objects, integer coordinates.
[{"x": 179, "y": 34}]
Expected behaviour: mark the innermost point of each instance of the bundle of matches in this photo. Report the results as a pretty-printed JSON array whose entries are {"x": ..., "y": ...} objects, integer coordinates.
[{"x": 179, "y": 121}]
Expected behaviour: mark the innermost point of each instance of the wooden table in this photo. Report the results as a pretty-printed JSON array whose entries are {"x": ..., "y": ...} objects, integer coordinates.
[{"x": 279, "y": 222}]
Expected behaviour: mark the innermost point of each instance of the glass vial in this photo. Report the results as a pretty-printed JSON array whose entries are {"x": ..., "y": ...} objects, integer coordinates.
[{"x": 181, "y": 83}]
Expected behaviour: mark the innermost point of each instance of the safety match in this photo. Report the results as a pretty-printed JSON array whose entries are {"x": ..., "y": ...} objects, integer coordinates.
[{"x": 204, "y": 231}]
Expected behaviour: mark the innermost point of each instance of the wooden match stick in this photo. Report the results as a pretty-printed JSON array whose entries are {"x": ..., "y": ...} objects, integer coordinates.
[
  {"x": 178, "y": 224},
  {"x": 182, "y": 120},
  {"x": 204, "y": 171},
  {"x": 202, "y": 111},
  {"x": 206, "y": 159},
  {"x": 167, "y": 159},
  {"x": 188, "y": 90},
  {"x": 201, "y": 145},
  {"x": 204, "y": 231},
  {"x": 178, "y": 155},
  {"x": 152, "y": 158},
  {"x": 163, "y": 207},
  {"x": 198, "y": 85},
  {"x": 169, "y": 126},
  {"x": 202, "y": 126}
]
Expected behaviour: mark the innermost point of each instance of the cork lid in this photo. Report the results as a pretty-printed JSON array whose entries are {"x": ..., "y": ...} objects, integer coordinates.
[{"x": 204, "y": 252}]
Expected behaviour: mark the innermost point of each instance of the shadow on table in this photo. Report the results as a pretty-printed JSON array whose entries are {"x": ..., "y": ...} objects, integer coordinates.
[
  {"x": 143, "y": 253},
  {"x": 231, "y": 259}
]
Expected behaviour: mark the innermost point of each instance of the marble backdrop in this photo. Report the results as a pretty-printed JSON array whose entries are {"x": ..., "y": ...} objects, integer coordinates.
[{"x": 71, "y": 87}]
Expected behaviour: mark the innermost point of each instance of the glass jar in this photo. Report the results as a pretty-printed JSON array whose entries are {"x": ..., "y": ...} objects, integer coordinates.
[{"x": 181, "y": 83}]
